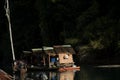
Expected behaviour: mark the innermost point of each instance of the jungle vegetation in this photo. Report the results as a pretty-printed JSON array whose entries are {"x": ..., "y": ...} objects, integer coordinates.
[{"x": 92, "y": 27}]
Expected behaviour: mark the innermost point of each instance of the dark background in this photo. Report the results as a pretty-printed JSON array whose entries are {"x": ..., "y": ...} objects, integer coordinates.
[{"x": 92, "y": 27}]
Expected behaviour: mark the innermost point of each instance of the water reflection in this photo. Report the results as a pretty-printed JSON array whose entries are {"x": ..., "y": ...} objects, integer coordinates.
[
  {"x": 68, "y": 75},
  {"x": 86, "y": 73},
  {"x": 37, "y": 76}
]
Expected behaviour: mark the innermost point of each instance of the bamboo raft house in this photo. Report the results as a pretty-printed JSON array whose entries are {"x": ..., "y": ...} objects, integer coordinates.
[{"x": 58, "y": 57}]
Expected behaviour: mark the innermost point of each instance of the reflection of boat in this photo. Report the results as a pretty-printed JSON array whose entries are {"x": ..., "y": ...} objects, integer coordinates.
[
  {"x": 37, "y": 76},
  {"x": 50, "y": 75},
  {"x": 68, "y": 75},
  {"x": 51, "y": 58}
]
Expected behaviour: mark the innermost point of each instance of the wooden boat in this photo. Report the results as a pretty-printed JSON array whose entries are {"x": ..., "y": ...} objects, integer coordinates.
[
  {"x": 5, "y": 76},
  {"x": 68, "y": 68}
]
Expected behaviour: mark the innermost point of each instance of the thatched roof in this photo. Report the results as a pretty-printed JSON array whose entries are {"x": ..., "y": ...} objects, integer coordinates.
[
  {"x": 64, "y": 49},
  {"x": 57, "y": 49}
]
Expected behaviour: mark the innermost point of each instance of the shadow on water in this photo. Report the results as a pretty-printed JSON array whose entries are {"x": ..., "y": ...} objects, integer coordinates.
[{"x": 86, "y": 73}]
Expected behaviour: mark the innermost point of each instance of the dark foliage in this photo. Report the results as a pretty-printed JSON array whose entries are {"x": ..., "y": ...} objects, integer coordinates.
[{"x": 91, "y": 24}]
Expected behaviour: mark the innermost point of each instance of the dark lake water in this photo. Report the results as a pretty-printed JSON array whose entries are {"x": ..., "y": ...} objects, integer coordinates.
[{"x": 86, "y": 73}]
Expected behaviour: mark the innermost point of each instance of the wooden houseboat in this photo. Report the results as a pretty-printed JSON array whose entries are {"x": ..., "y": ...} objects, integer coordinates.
[
  {"x": 52, "y": 58},
  {"x": 65, "y": 57}
]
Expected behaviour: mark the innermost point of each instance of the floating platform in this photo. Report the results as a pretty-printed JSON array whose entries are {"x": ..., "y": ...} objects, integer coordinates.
[{"x": 60, "y": 69}]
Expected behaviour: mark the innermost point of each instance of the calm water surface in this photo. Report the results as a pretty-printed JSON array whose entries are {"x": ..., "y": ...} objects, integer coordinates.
[{"x": 86, "y": 73}]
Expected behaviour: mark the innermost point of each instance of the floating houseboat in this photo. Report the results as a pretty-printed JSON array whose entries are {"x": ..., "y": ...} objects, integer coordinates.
[{"x": 58, "y": 57}]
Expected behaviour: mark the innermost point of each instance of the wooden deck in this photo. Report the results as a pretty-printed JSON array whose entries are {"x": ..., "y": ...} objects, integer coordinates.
[{"x": 60, "y": 69}]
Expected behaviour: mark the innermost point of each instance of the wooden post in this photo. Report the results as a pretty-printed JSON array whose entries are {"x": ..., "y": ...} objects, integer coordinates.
[
  {"x": 31, "y": 59},
  {"x": 44, "y": 61},
  {"x": 49, "y": 59}
]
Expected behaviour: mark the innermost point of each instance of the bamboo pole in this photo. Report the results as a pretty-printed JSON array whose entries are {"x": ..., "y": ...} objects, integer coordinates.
[{"x": 9, "y": 24}]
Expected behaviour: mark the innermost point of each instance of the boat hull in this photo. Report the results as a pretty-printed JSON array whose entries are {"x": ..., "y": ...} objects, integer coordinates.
[{"x": 69, "y": 68}]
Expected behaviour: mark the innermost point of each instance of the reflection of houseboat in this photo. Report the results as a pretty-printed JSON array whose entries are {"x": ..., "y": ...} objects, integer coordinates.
[
  {"x": 68, "y": 75},
  {"x": 52, "y": 58},
  {"x": 50, "y": 75}
]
